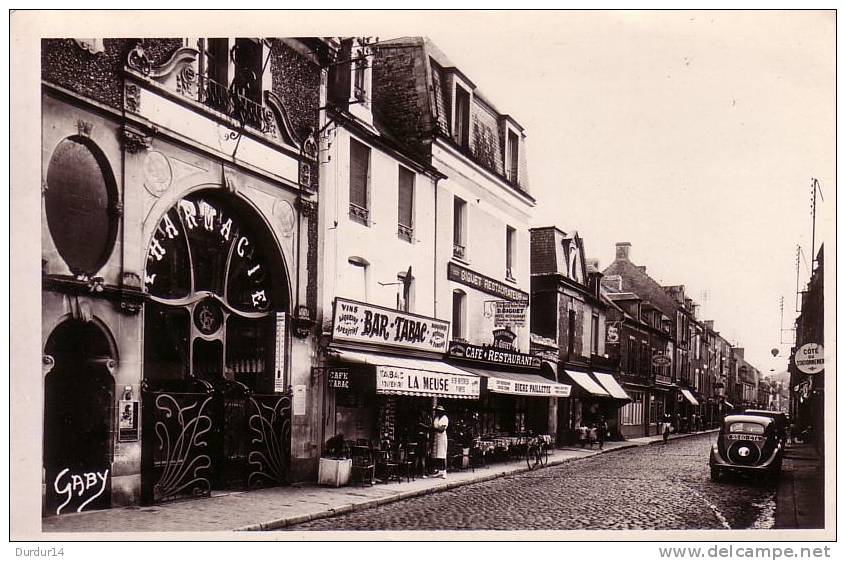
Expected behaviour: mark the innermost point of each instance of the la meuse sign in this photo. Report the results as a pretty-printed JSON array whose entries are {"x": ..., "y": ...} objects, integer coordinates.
[{"x": 485, "y": 284}]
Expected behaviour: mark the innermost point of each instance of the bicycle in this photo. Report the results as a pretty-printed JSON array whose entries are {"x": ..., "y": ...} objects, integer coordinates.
[{"x": 537, "y": 452}]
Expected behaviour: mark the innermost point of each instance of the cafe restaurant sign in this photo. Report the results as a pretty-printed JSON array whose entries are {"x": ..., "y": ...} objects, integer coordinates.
[
  {"x": 492, "y": 355},
  {"x": 409, "y": 381},
  {"x": 357, "y": 322},
  {"x": 485, "y": 284}
]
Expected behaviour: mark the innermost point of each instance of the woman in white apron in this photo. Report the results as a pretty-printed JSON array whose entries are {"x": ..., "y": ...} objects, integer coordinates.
[{"x": 439, "y": 447}]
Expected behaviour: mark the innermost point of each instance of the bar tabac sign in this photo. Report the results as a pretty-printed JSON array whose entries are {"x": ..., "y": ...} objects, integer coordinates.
[{"x": 357, "y": 322}]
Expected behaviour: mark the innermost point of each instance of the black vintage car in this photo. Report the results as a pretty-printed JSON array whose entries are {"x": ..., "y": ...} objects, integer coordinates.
[
  {"x": 781, "y": 419},
  {"x": 747, "y": 443}
]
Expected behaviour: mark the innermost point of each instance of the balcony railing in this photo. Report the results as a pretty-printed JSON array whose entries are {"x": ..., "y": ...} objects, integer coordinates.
[
  {"x": 359, "y": 213},
  {"x": 458, "y": 250},
  {"x": 232, "y": 102},
  {"x": 405, "y": 232}
]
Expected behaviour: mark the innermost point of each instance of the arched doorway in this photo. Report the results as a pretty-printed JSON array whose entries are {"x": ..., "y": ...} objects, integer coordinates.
[
  {"x": 78, "y": 419},
  {"x": 215, "y": 350}
]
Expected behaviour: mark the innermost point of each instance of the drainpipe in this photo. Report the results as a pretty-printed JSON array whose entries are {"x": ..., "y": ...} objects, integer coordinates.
[{"x": 435, "y": 266}]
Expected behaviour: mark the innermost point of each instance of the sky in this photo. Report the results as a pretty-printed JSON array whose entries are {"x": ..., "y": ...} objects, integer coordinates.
[{"x": 693, "y": 135}]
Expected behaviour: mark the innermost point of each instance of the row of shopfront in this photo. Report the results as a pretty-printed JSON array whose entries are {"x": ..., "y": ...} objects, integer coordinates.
[{"x": 382, "y": 384}]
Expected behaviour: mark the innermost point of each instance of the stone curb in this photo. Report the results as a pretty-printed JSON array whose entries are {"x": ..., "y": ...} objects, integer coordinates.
[{"x": 372, "y": 503}]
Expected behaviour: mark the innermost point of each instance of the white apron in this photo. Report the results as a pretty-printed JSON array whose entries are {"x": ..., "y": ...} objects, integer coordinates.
[{"x": 440, "y": 444}]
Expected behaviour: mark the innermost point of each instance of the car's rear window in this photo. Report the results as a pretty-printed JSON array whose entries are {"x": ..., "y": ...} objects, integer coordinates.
[{"x": 751, "y": 428}]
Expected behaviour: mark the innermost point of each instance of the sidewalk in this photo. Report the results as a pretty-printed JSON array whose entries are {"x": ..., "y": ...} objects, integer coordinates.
[
  {"x": 800, "y": 500},
  {"x": 278, "y": 507}
]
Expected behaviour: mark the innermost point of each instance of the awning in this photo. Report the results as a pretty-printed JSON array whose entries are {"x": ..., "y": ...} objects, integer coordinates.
[
  {"x": 611, "y": 385},
  {"x": 518, "y": 383},
  {"x": 416, "y": 376},
  {"x": 689, "y": 396},
  {"x": 584, "y": 380}
]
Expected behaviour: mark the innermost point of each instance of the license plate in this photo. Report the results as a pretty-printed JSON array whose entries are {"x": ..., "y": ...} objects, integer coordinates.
[{"x": 749, "y": 437}]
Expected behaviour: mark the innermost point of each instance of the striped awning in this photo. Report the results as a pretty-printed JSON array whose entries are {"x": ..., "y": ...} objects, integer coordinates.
[
  {"x": 587, "y": 383},
  {"x": 611, "y": 385},
  {"x": 689, "y": 396},
  {"x": 416, "y": 376}
]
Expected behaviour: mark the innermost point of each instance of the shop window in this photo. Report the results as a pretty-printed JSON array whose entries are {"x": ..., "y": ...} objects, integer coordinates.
[
  {"x": 213, "y": 303},
  {"x": 459, "y": 314},
  {"x": 632, "y": 412},
  {"x": 459, "y": 228},
  {"x": 510, "y": 248},
  {"x": 461, "y": 117},
  {"x": 405, "y": 210},
  {"x": 359, "y": 182}
]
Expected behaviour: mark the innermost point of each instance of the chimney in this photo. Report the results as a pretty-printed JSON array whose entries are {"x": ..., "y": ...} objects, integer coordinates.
[
  {"x": 623, "y": 249},
  {"x": 709, "y": 323},
  {"x": 738, "y": 351},
  {"x": 593, "y": 262}
]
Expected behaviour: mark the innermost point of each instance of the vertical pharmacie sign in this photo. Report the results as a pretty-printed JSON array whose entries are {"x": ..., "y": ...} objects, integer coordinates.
[
  {"x": 358, "y": 322},
  {"x": 280, "y": 352}
]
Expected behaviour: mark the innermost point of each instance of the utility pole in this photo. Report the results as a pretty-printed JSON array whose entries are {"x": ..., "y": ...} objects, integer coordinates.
[{"x": 815, "y": 186}]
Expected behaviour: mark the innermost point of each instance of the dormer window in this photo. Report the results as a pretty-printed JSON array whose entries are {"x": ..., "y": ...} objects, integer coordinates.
[
  {"x": 461, "y": 117},
  {"x": 512, "y": 156}
]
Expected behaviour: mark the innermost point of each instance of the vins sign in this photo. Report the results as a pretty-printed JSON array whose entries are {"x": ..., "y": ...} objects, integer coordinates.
[{"x": 357, "y": 322}]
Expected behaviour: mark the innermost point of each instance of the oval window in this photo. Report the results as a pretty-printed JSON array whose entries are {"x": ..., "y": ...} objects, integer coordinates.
[{"x": 80, "y": 196}]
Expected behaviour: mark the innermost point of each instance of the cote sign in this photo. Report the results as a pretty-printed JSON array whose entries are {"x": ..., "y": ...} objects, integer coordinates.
[{"x": 809, "y": 358}]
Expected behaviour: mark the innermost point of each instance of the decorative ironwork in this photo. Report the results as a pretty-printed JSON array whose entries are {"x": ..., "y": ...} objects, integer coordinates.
[
  {"x": 180, "y": 457},
  {"x": 137, "y": 60},
  {"x": 269, "y": 456}
]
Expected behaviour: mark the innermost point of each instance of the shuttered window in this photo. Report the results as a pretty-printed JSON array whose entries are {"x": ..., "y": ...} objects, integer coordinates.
[
  {"x": 359, "y": 179},
  {"x": 405, "y": 211}
]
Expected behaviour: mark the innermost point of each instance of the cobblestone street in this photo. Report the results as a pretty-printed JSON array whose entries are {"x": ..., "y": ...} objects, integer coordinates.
[{"x": 648, "y": 487}]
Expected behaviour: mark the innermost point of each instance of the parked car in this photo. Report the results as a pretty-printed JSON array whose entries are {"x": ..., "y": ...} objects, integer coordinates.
[
  {"x": 780, "y": 417},
  {"x": 747, "y": 444}
]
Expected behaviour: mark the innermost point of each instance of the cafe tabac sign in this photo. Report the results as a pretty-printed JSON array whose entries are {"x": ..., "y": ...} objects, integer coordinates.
[
  {"x": 358, "y": 322},
  {"x": 492, "y": 355}
]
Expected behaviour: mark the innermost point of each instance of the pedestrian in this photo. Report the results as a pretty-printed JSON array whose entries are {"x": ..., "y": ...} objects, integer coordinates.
[
  {"x": 665, "y": 429},
  {"x": 602, "y": 430},
  {"x": 439, "y": 428}
]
